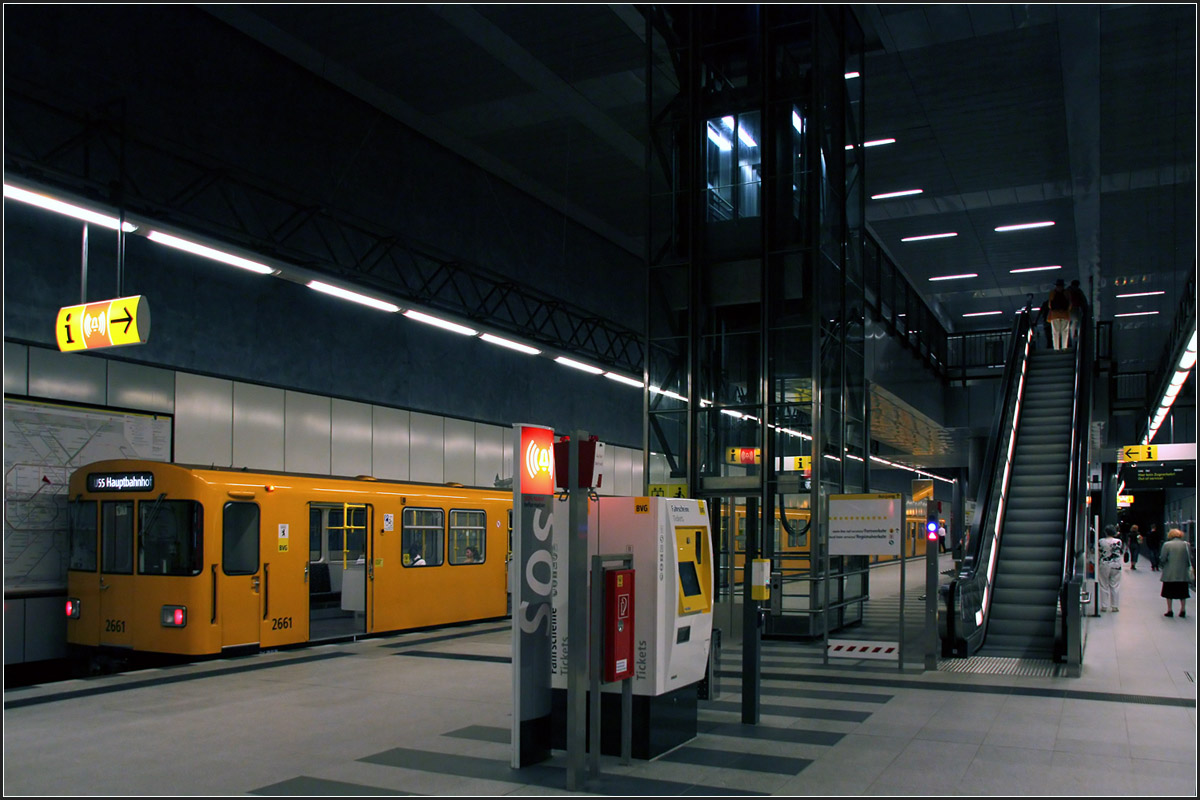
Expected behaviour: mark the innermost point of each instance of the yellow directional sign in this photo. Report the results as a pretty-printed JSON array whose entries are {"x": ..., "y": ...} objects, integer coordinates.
[
  {"x": 743, "y": 455},
  {"x": 797, "y": 463},
  {"x": 109, "y": 323},
  {"x": 1140, "y": 452}
]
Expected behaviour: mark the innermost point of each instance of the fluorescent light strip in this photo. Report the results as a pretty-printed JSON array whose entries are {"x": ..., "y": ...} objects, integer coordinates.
[
  {"x": 982, "y": 313},
  {"x": 579, "y": 365},
  {"x": 668, "y": 393},
  {"x": 66, "y": 209},
  {"x": 719, "y": 140},
  {"x": 903, "y": 193},
  {"x": 1140, "y": 294},
  {"x": 873, "y": 143},
  {"x": 850, "y": 75},
  {"x": 1136, "y": 314},
  {"x": 208, "y": 252},
  {"x": 1023, "y": 226},
  {"x": 625, "y": 380},
  {"x": 440, "y": 323},
  {"x": 955, "y": 277},
  {"x": 746, "y": 138},
  {"x": 355, "y": 297},
  {"x": 798, "y": 124},
  {"x": 928, "y": 236},
  {"x": 1036, "y": 269},
  {"x": 511, "y": 345}
]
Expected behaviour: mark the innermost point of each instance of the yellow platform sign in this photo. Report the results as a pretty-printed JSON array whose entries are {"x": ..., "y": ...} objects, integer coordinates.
[
  {"x": 1139, "y": 452},
  {"x": 669, "y": 490},
  {"x": 108, "y": 323}
]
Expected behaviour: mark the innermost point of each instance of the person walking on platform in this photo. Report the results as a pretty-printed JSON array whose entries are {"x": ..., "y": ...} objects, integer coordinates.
[
  {"x": 1134, "y": 544},
  {"x": 1059, "y": 314},
  {"x": 1174, "y": 563},
  {"x": 1108, "y": 573},
  {"x": 1078, "y": 311},
  {"x": 1154, "y": 542}
]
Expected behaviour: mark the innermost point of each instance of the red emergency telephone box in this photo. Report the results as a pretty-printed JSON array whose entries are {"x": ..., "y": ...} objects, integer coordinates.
[{"x": 618, "y": 625}]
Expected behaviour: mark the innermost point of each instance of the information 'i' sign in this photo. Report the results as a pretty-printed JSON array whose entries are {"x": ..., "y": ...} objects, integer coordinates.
[{"x": 108, "y": 323}]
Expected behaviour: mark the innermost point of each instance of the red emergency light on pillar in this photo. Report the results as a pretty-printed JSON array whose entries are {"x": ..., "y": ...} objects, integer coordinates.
[
  {"x": 587, "y": 463},
  {"x": 618, "y": 624}
]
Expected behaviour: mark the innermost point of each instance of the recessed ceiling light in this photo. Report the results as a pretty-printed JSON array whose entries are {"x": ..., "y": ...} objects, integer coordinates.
[
  {"x": 1023, "y": 226},
  {"x": 928, "y": 236},
  {"x": 903, "y": 193},
  {"x": 982, "y": 313},
  {"x": 1037, "y": 269},
  {"x": 1140, "y": 294},
  {"x": 955, "y": 277},
  {"x": 1136, "y": 314}
]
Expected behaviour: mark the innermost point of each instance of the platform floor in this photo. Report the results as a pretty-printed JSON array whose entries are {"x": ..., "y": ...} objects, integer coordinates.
[{"x": 430, "y": 713}]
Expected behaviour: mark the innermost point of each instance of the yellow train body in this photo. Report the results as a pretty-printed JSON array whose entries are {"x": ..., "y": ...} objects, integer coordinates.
[{"x": 175, "y": 559}]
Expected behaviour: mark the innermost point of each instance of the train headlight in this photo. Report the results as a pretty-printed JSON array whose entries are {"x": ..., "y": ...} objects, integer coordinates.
[
  {"x": 72, "y": 608},
  {"x": 174, "y": 616}
]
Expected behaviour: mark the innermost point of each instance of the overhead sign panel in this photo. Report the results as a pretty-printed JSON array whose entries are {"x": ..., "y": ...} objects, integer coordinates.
[
  {"x": 1185, "y": 451},
  {"x": 108, "y": 323},
  {"x": 1159, "y": 475},
  {"x": 865, "y": 524}
]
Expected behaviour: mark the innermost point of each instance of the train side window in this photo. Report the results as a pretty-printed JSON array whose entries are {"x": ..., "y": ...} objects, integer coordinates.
[
  {"x": 468, "y": 530},
  {"x": 239, "y": 539},
  {"x": 314, "y": 534},
  {"x": 116, "y": 537},
  {"x": 82, "y": 520},
  {"x": 170, "y": 537},
  {"x": 422, "y": 535}
]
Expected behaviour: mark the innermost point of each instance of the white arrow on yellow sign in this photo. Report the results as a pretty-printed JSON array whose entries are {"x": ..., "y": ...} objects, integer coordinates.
[{"x": 109, "y": 323}]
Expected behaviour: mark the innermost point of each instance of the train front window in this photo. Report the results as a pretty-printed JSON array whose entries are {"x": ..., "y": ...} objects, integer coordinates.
[
  {"x": 422, "y": 537},
  {"x": 81, "y": 515},
  {"x": 171, "y": 539},
  {"x": 467, "y": 537},
  {"x": 239, "y": 539},
  {"x": 116, "y": 537}
]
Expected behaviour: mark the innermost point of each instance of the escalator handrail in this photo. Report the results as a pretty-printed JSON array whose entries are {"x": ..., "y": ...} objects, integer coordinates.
[{"x": 1002, "y": 429}]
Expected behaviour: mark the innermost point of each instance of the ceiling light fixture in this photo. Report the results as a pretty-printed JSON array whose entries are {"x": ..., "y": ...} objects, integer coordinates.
[
  {"x": 511, "y": 345},
  {"x": 742, "y": 133},
  {"x": 579, "y": 365},
  {"x": 625, "y": 380},
  {"x": 1036, "y": 269},
  {"x": 928, "y": 236},
  {"x": 797, "y": 123},
  {"x": 955, "y": 277},
  {"x": 873, "y": 143},
  {"x": 982, "y": 313},
  {"x": 850, "y": 75},
  {"x": 1136, "y": 314},
  {"x": 1140, "y": 294},
  {"x": 720, "y": 141},
  {"x": 208, "y": 252},
  {"x": 355, "y": 297},
  {"x": 903, "y": 193},
  {"x": 66, "y": 209},
  {"x": 1023, "y": 226},
  {"x": 440, "y": 323}
]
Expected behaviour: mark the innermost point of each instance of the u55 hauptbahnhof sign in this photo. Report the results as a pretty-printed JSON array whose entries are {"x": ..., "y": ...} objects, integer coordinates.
[{"x": 108, "y": 323}]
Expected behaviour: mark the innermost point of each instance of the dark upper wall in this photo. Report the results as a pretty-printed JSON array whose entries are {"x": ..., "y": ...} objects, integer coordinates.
[
  {"x": 212, "y": 93},
  {"x": 217, "y": 320}
]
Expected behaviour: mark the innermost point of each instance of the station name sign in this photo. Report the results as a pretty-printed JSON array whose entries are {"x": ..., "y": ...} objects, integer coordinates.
[
  {"x": 108, "y": 323},
  {"x": 120, "y": 481}
]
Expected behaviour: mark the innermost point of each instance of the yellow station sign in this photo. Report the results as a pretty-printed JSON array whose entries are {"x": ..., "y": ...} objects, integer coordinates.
[
  {"x": 108, "y": 323},
  {"x": 1139, "y": 452}
]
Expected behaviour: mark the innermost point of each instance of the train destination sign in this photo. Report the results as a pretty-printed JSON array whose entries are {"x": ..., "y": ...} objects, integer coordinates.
[
  {"x": 108, "y": 323},
  {"x": 120, "y": 481}
]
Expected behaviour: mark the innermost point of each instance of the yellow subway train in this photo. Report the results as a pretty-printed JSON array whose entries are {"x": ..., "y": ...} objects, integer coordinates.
[{"x": 193, "y": 561}]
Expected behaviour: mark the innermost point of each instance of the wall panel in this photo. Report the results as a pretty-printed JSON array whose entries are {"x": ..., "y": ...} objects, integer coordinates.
[
  {"x": 489, "y": 454},
  {"x": 389, "y": 443},
  {"x": 426, "y": 460},
  {"x": 16, "y": 368},
  {"x": 306, "y": 425},
  {"x": 67, "y": 376},
  {"x": 459, "y": 451},
  {"x": 137, "y": 386},
  {"x": 258, "y": 432},
  {"x": 351, "y": 438},
  {"x": 203, "y": 420}
]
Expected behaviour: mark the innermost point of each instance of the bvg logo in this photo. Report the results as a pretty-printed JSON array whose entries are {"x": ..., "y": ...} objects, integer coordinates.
[{"x": 539, "y": 465}]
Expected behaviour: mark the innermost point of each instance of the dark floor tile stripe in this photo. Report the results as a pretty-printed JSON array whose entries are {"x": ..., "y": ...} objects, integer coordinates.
[
  {"x": 411, "y": 640},
  {"x": 776, "y": 710},
  {"x": 164, "y": 677},
  {"x": 304, "y": 786},
  {"x": 483, "y": 733},
  {"x": 793, "y": 735},
  {"x": 545, "y": 776},
  {"x": 456, "y": 656},
  {"x": 752, "y": 762}
]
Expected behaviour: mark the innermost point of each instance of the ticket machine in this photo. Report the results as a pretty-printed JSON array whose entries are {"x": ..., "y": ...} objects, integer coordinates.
[{"x": 671, "y": 544}]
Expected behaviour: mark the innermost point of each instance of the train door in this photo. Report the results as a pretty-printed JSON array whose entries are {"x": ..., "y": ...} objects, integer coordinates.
[
  {"x": 340, "y": 569},
  {"x": 239, "y": 582},
  {"x": 116, "y": 584},
  {"x": 83, "y": 576},
  {"x": 284, "y": 618}
]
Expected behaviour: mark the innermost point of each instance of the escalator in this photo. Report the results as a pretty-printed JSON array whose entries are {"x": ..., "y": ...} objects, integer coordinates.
[{"x": 1018, "y": 593}]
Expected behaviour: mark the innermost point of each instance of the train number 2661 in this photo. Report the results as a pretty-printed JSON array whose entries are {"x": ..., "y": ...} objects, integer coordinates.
[
  {"x": 114, "y": 626},
  {"x": 281, "y": 623}
]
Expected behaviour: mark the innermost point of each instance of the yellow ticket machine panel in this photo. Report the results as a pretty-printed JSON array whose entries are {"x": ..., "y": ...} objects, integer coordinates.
[{"x": 695, "y": 570}]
